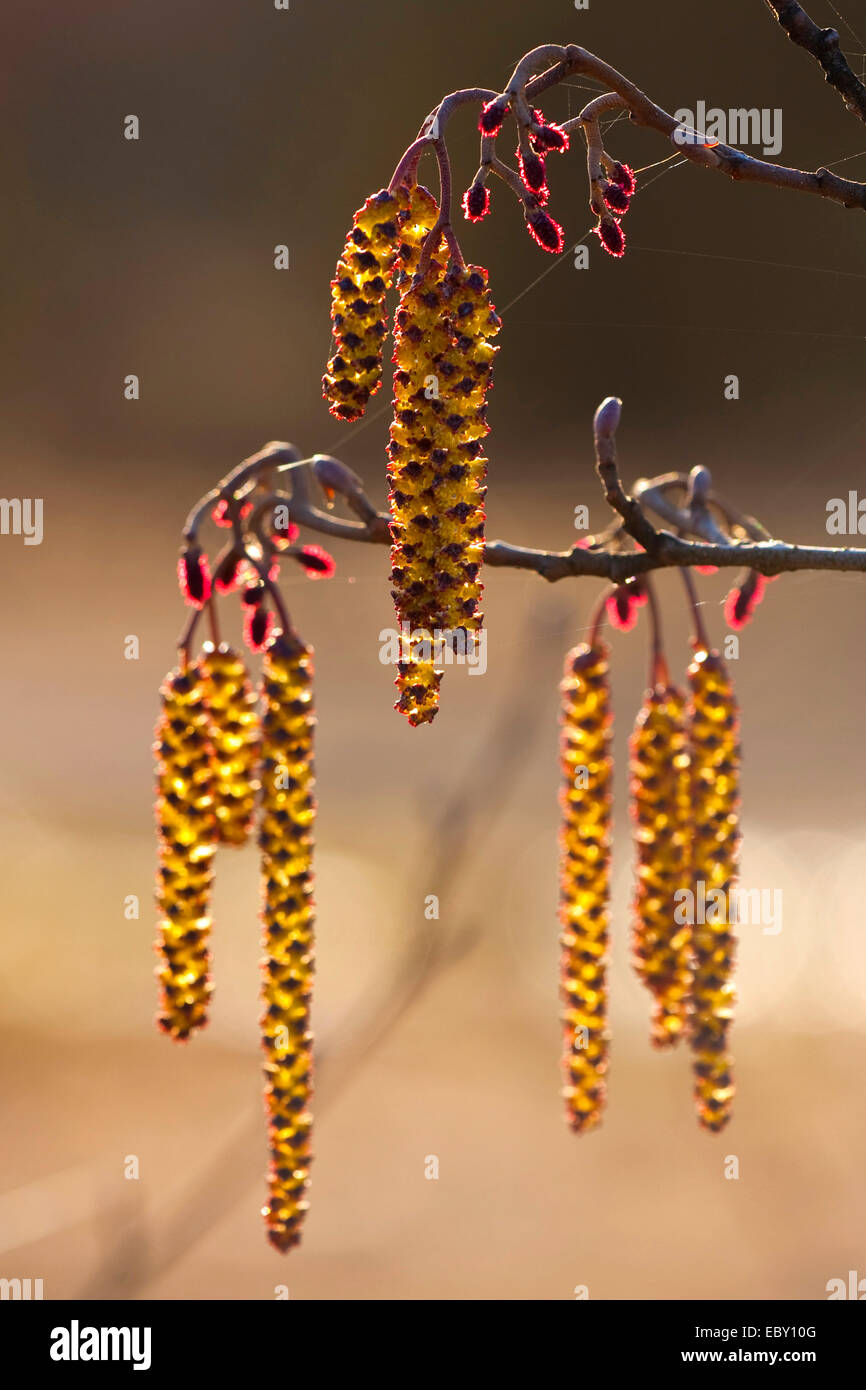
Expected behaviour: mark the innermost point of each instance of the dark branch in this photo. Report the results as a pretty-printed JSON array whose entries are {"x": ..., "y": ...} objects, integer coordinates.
[
  {"x": 697, "y": 519},
  {"x": 823, "y": 46}
]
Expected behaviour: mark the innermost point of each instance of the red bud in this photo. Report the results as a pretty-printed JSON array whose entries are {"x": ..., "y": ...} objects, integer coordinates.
[
  {"x": 227, "y": 572},
  {"x": 492, "y": 116},
  {"x": 258, "y": 626},
  {"x": 622, "y": 607},
  {"x": 611, "y": 236},
  {"x": 532, "y": 173},
  {"x": 625, "y": 177},
  {"x": 476, "y": 202},
  {"x": 193, "y": 573},
  {"x": 615, "y": 197},
  {"x": 316, "y": 561},
  {"x": 545, "y": 231},
  {"x": 742, "y": 601}
]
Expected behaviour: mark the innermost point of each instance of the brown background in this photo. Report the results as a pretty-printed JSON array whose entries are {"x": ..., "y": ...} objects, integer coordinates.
[{"x": 260, "y": 127}]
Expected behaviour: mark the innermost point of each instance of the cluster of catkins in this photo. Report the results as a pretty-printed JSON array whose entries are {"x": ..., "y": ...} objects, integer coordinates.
[
  {"x": 537, "y": 141},
  {"x": 684, "y": 768},
  {"x": 381, "y": 251},
  {"x": 610, "y": 195},
  {"x": 224, "y": 752},
  {"x": 443, "y": 356}
]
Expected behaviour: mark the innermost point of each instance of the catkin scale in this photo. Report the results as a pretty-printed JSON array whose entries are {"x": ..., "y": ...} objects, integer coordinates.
[
  {"x": 384, "y": 243},
  {"x": 584, "y": 863},
  {"x": 234, "y": 732},
  {"x": 286, "y": 841},
  {"x": 661, "y": 810},
  {"x": 443, "y": 358},
  {"x": 186, "y": 828},
  {"x": 715, "y": 754}
]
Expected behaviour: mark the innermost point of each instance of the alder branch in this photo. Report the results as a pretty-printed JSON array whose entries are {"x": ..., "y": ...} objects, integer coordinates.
[
  {"x": 570, "y": 60},
  {"x": 644, "y": 112},
  {"x": 699, "y": 527},
  {"x": 823, "y": 46}
]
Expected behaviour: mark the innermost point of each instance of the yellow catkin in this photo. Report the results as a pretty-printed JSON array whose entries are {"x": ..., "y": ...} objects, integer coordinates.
[
  {"x": 443, "y": 358},
  {"x": 384, "y": 241},
  {"x": 418, "y": 214},
  {"x": 584, "y": 849},
  {"x": 286, "y": 839},
  {"x": 715, "y": 836},
  {"x": 186, "y": 827},
  {"x": 234, "y": 731},
  {"x": 661, "y": 800}
]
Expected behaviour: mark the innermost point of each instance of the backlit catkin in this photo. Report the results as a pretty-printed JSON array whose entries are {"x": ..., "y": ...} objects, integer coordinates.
[
  {"x": 186, "y": 827},
  {"x": 584, "y": 846},
  {"x": 234, "y": 731},
  {"x": 385, "y": 240},
  {"x": 443, "y": 358},
  {"x": 660, "y": 790},
  {"x": 286, "y": 840},
  {"x": 715, "y": 838}
]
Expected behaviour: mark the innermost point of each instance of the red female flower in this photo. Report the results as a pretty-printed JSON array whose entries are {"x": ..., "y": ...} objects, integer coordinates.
[
  {"x": 547, "y": 232},
  {"x": 611, "y": 236},
  {"x": 193, "y": 574},
  {"x": 476, "y": 202}
]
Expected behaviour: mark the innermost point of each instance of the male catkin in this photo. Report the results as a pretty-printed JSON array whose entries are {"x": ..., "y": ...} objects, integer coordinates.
[
  {"x": 235, "y": 738},
  {"x": 715, "y": 753},
  {"x": 584, "y": 859},
  {"x": 661, "y": 806},
  {"x": 286, "y": 840},
  {"x": 384, "y": 240},
  {"x": 443, "y": 358},
  {"x": 186, "y": 827}
]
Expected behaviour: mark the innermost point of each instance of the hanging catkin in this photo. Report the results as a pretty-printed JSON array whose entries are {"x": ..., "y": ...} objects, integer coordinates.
[
  {"x": 234, "y": 731},
  {"x": 660, "y": 789},
  {"x": 286, "y": 840},
  {"x": 715, "y": 838},
  {"x": 443, "y": 358},
  {"x": 385, "y": 239},
  {"x": 585, "y": 800},
  {"x": 186, "y": 828}
]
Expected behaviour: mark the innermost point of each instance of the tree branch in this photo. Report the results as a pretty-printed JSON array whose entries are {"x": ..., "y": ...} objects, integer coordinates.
[
  {"x": 823, "y": 46},
  {"x": 553, "y": 63},
  {"x": 695, "y": 537}
]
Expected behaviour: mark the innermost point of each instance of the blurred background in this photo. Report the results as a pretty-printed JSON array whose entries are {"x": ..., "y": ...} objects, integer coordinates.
[{"x": 261, "y": 127}]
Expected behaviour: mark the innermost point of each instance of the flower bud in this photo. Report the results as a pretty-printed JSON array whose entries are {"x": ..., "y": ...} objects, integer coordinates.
[
  {"x": 476, "y": 202},
  {"x": 615, "y": 197},
  {"x": 193, "y": 574},
  {"x": 547, "y": 232},
  {"x": 611, "y": 236},
  {"x": 492, "y": 116},
  {"x": 624, "y": 176},
  {"x": 316, "y": 561}
]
